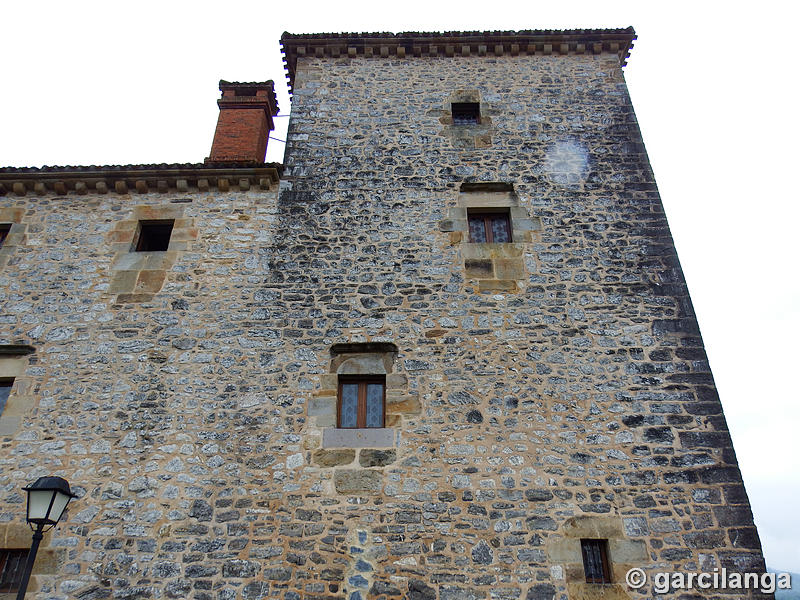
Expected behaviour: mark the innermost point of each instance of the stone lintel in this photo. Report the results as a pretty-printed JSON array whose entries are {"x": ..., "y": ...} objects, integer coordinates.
[
  {"x": 16, "y": 349},
  {"x": 363, "y": 348}
]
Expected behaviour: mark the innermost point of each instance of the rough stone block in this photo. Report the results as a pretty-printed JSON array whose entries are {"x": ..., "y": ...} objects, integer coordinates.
[
  {"x": 333, "y": 458},
  {"x": 129, "y": 261},
  {"x": 479, "y": 268},
  {"x": 358, "y": 481},
  {"x": 376, "y": 458},
  {"x": 149, "y": 281},
  {"x": 396, "y": 381},
  {"x": 403, "y": 405},
  {"x": 497, "y": 285},
  {"x": 509, "y": 268},
  {"x": 322, "y": 406},
  {"x": 123, "y": 281},
  {"x": 628, "y": 551}
]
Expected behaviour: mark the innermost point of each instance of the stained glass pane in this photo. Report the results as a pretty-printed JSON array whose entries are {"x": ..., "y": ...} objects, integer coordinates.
[
  {"x": 374, "y": 405},
  {"x": 348, "y": 416},
  {"x": 477, "y": 232},
  {"x": 500, "y": 233}
]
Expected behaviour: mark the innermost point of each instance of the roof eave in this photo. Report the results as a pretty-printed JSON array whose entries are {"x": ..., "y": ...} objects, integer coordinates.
[{"x": 419, "y": 44}]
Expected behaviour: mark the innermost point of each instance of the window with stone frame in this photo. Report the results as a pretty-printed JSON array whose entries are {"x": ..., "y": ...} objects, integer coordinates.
[
  {"x": 12, "y": 565},
  {"x": 361, "y": 402},
  {"x": 489, "y": 226},
  {"x": 595, "y": 560},
  {"x": 4, "y": 229}
]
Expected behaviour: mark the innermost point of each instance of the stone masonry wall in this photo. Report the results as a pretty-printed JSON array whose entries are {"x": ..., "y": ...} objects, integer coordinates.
[{"x": 568, "y": 398}]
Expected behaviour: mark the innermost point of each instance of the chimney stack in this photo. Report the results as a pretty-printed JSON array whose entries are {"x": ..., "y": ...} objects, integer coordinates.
[{"x": 245, "y": 120}]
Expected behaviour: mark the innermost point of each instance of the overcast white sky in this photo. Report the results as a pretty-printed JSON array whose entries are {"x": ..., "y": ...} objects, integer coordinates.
[{"x": 713, "y": 86}]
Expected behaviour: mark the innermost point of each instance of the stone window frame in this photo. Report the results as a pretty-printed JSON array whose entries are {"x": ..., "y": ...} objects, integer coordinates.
[
  {"x": 138, "y": 276},
  {"x": 16, "y": 235},
  {"x": 623, "y": 554},
  {"x": 495, "y": 266},
  {"x": 472, "y": 135},
  {"x": 17, "y": 536},
  {"x": 367, "y": 359},
  {"x": 13, "y": 361},
  {"x": 363, "y": 381}
]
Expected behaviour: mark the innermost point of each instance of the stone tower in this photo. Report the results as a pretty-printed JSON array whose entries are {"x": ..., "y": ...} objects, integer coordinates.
[{"x": 445, "y": 352}]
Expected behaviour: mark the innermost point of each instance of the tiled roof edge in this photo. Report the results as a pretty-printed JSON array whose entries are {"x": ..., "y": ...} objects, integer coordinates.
[
  {"x": 456, "y": 43},
  {"x": 140, "y": 179},
  {"x": 439, "y": 34}
]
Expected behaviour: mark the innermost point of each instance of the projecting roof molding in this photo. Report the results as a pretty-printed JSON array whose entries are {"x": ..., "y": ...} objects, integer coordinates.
[
  {"x": 456, "y": 43},
  {"x": 138, "y": 179}
]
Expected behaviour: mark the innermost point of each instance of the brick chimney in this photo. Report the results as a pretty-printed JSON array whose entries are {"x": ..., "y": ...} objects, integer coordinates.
[{"x": 245, "y": 120}]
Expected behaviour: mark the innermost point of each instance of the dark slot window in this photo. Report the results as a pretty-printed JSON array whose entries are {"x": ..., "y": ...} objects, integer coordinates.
[
  {"x": 362, "y": 402},
  {"x": 490, "y": 227},
  {"x": 595, "y": 561},
  {"x": 154, "y": 236},
  {"x": 466, "y": 113},
  {"x": 4, "y": 229},
  {"x": 5, "y": 391},
  {"x": 12, "y": 564}
]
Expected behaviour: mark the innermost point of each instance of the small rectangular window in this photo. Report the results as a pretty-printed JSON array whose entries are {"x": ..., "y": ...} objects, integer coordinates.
[
  {"x": 12, "y": 564},
  {"x": 466, "y": 113},
  {"x": 153, "y": 236},
  {"x": 5, "y": 392},
  {"x": 595, "y": 561},
  {"x": 4, "y": 229},
  {"x": 361, "y": 402},
  {"x": 489, "y": 227}
]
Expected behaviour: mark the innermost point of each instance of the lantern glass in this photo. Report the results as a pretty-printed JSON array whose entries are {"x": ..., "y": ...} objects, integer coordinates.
[
  {"x": 59, "y": 504},
  {"x": 47, "y": 499},
  {"x": 39, "y": 505}
]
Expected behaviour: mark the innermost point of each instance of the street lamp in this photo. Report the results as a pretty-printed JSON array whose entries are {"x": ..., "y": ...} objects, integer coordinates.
[{"x": 47, "y": 499}]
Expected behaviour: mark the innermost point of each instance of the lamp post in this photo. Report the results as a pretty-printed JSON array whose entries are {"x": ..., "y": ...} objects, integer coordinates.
[{"x": 47, "y": 499}]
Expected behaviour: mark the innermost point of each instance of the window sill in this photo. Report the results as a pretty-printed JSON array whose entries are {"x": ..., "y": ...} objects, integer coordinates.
[{"x": 333, "y": 437}]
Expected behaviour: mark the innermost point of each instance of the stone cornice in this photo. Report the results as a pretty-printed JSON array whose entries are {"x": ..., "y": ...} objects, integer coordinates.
[
  {"x": 451, "y": 44},
  {"x": 138, "y": 179}
]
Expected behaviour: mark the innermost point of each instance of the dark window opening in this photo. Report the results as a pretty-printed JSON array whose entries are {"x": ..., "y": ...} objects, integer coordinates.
[
  {"x": 4, "y": 229},
  {"x": 5, "y": 392},
  {"x": 466, "y": 113},
  {"x": 489, "y": 227},
  {"x": 361, "y": 402},
  {"x": 154, "y": 236},
  {"x": 12, "y": 565},
  {"x": 595, "y": 561}
]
